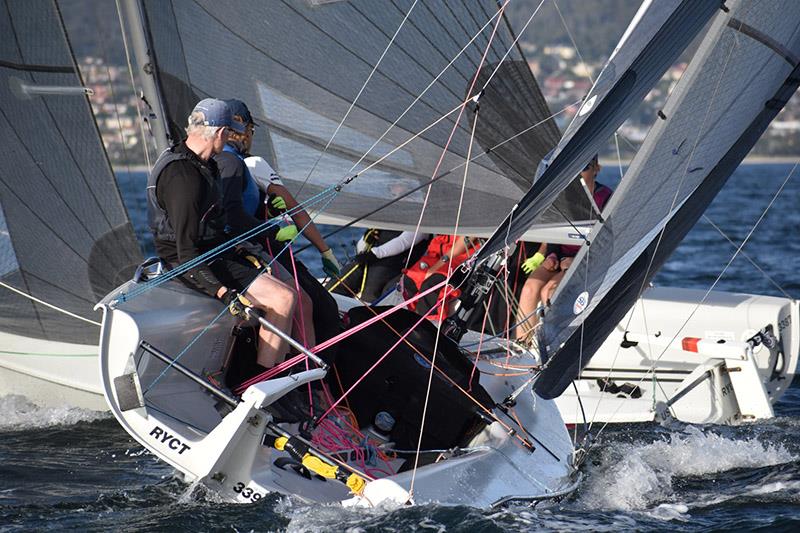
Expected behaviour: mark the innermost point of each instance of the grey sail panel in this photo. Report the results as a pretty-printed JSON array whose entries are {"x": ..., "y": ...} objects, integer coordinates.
[
  {"x": 65, "y": 237},
  {"x": 299, "y": 64},
  {"x": 659, "y": 33},
  {"x": 730, "y": 92}
]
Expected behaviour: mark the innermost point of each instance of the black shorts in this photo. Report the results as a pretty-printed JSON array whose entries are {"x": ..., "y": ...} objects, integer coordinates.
[{"x": 234, "y": 271}]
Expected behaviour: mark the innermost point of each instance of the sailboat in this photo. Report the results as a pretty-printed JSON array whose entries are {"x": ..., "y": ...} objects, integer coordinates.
[
  {"x": 730, "y": 358},
  {"x": 65, "y": 237},
  {"x": 359, "y": 102}
]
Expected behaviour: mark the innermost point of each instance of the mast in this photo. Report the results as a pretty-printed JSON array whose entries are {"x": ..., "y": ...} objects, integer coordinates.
[{"x": 130, "y": 12}]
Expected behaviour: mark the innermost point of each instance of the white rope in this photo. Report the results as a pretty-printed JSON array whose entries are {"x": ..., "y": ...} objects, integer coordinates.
[
  {"x": 51, "y": 306},
  {"x": 417, "y": 99},
  {"x": 441, "y": 309},
  {"x": 360, "y": 92}
]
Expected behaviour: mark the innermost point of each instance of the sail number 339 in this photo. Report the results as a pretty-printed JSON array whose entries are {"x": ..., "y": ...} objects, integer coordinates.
[{"x": 247, "y": 492}]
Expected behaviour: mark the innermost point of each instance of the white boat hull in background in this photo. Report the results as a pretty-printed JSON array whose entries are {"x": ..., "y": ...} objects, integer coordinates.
[
  {"x": 50, "y": 374},
  {"x": 722, "y": 383}
]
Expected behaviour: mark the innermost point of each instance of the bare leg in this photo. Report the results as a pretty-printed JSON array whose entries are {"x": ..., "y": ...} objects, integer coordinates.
[
  {"x": 550, "y": 287},
  {"x": 529, "y": 300},
  {"x": 278, "y": 301}
]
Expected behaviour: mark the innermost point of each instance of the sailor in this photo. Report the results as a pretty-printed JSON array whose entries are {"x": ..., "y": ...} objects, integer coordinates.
[
  {"x": 247, "y": 204},
  {"x": 379, "y": 262},
  {"x": 187, "y": 219},
  {"x": 445, "y": 253},
  {"x": 548, "y": 265}
]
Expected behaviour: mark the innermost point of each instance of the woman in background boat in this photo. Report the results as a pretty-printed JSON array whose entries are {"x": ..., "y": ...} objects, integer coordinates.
[
  {"x": 186, "y": 217},
  {"x": 548, "y": 265}
]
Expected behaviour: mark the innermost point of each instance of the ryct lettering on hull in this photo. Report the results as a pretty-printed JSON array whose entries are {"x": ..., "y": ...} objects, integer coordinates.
[{"x": 173, "y": 442}]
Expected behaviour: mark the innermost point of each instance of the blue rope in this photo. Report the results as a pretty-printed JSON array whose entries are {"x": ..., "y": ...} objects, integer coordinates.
[
  {"x": 225, "y": 309},
  {"x": 227, "y": 245}
]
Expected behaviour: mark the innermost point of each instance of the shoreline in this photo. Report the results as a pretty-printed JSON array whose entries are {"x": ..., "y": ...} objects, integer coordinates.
[{"x": 749, "y": 160}]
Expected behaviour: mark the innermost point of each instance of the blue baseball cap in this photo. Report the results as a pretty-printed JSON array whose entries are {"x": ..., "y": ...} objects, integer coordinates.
[
  {"x": 217, "y": 113},
  {"x": 239, "y": 108}
]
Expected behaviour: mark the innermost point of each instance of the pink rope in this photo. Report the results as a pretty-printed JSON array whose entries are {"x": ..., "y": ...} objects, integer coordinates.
[
  {"x": 401, "y": 339},
  {"x": 330, "y": 342},
  {"x": 277, "y": 369}
]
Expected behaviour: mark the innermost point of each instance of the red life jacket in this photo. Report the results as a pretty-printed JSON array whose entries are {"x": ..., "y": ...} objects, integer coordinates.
[{"x": 440, "y": 245}]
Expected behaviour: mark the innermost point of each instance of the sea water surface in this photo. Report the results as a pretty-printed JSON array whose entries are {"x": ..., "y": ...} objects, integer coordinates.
[{"x": 73, "y": 469}]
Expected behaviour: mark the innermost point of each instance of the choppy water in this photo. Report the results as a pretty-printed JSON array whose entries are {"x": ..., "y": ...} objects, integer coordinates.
[{"x": 73, "y": 469}]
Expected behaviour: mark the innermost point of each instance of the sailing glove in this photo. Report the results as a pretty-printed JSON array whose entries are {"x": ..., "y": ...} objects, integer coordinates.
[
  {"x": 330, "y": 264},
  {"x": 237, "y": 304},
  {"x": 533, "y": 262},
  {"x": 276, "y": 205},
  {"x": 286, "y": 233}
]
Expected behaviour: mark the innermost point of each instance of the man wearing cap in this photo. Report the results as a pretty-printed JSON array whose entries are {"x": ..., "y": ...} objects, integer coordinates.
[
  {"x": 186, "y": 216},
  {"x": 244, "y": 208}
]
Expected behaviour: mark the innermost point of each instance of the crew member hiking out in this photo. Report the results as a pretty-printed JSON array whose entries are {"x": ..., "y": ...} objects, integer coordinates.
[{"x": 187, "y": 219}]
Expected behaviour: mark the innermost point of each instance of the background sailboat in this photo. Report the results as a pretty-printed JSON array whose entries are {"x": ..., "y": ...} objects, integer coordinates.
[{"x": 65, "y": 238}]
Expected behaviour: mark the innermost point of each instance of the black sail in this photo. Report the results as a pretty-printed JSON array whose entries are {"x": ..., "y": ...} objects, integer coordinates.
[
  {"x": 742, "y": 75},
  {"x": 65, "y": 237},
  {"x": 300, "y": 64},
  {"x": 658, "y": 34}
]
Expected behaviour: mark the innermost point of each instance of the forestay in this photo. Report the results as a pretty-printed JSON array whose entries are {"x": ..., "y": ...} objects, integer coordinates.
[
  {"x": 742, "y": 75},
  {"x": 65, "y": 237},
  {"x": 300, "y": 64},
  {"x": 657, "y": 35}
]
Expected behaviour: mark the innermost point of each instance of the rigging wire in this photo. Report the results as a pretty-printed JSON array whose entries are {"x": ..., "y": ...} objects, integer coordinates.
[
  {"x": 360, "y": 92},
  {"x": 747, "y": 256}
]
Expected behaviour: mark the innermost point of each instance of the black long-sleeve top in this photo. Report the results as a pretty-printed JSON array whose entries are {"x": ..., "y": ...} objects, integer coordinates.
[{"x": 188, "y": 193}]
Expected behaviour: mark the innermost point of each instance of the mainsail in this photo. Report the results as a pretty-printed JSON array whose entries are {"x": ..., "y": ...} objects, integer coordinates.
[
  {"x": 300, "y": 64},
  {"x": 65, "y": 238},
  {"x": 743, "y": 73},
  {"x": 659, "y": 32}
]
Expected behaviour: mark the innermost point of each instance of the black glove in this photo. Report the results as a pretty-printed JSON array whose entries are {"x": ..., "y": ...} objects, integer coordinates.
[
  {"x": 366, "y": 258},
  {"x": 236, "y": 303},
  {"x": 371, "y": 236}
]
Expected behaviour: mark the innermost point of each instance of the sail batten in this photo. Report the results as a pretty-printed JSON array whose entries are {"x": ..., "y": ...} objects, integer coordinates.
[{"x": 732, "y": 89}]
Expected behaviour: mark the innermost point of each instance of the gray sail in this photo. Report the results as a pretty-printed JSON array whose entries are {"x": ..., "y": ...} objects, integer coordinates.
[
  {"x": 660, "y": 31},
  {"x": 65, "y": 237},
  {"x": 742, "y": 75},
  {"x": 299, "y": 64}
]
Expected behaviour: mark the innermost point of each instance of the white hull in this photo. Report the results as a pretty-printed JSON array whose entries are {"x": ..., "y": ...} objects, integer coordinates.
[
  {"x": 50, "y": 374},
  {"x": 723, "y": 383},
  {"x": 180, "y": 424}
]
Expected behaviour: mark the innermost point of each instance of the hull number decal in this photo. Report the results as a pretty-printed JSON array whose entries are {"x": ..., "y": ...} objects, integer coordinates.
[{"x": 247, "y": 492}]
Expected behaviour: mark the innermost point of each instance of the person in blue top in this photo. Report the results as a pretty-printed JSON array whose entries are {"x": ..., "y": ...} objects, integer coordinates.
[{"x": 247, "y": 205}]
